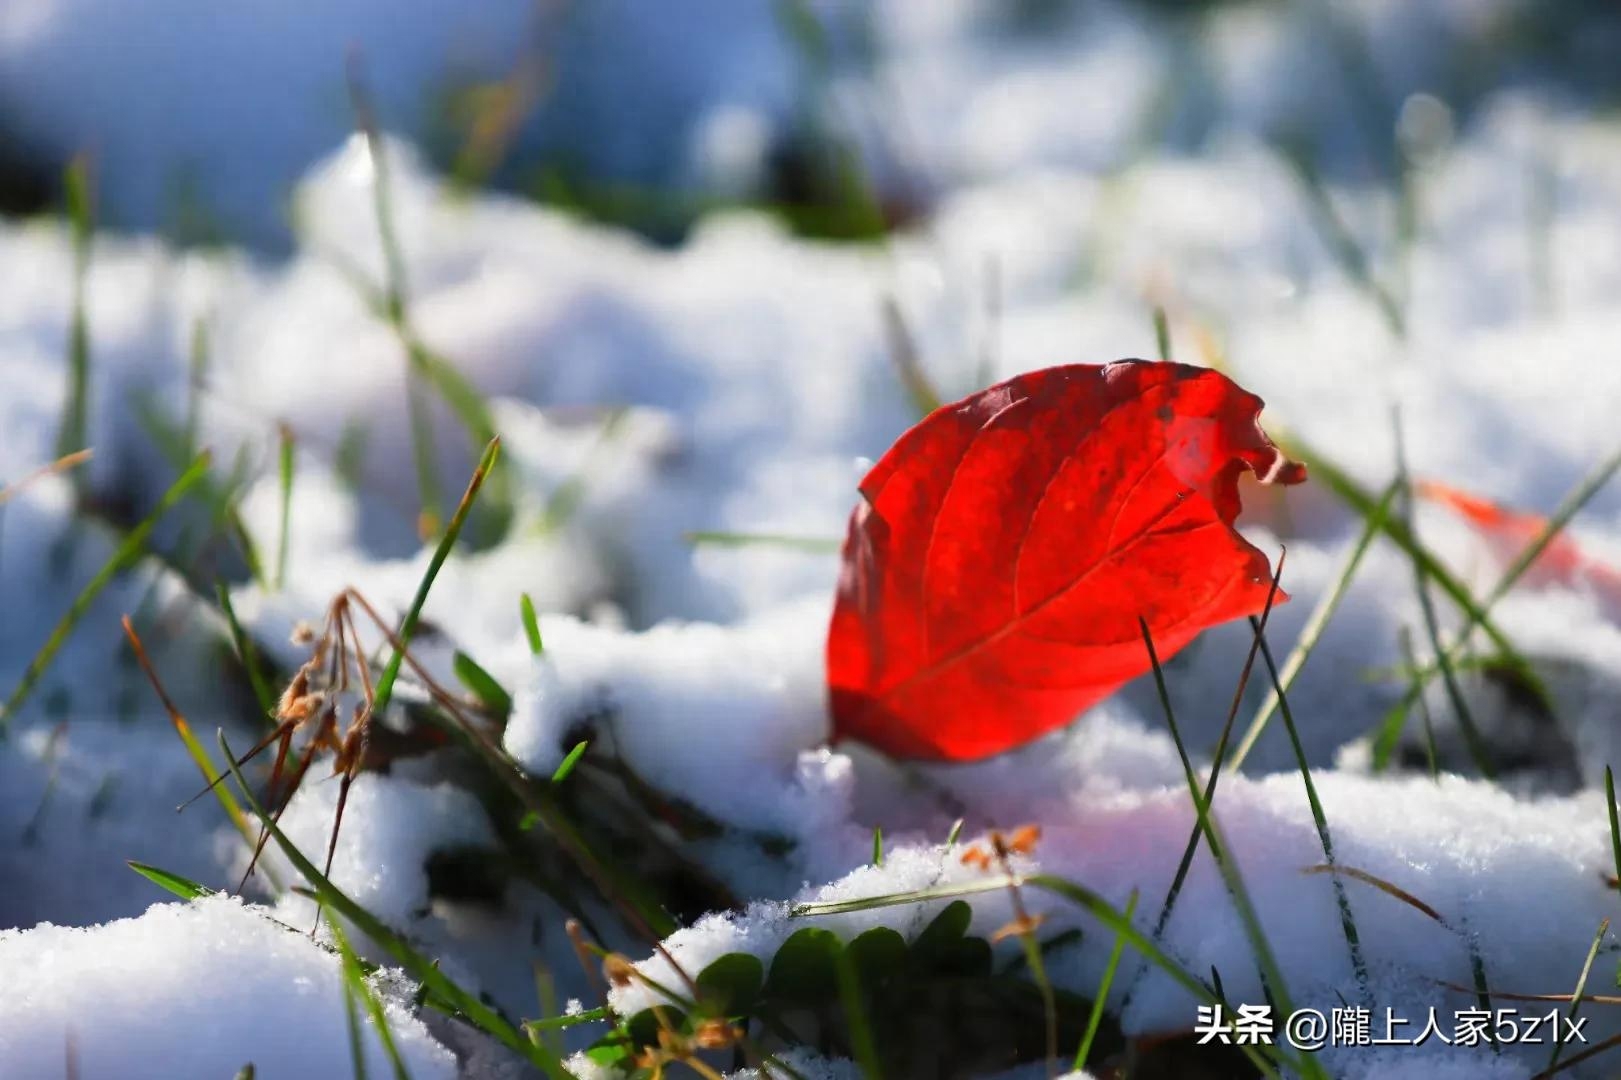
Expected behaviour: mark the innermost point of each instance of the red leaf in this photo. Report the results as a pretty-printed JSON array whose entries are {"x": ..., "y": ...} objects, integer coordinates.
[
  {"x": 1006, "y": 546},
  {"x": 1510, "y": 532}
]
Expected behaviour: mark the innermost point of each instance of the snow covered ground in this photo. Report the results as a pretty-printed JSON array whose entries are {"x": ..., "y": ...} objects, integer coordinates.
[{"x": 1067, "y": 171}]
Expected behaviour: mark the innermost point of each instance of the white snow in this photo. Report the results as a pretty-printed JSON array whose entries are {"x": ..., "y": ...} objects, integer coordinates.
[{"x": 197, "y": 989}]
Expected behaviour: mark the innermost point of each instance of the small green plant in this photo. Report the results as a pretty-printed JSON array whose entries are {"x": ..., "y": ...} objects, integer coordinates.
[{"x": 934, "y": 1006}]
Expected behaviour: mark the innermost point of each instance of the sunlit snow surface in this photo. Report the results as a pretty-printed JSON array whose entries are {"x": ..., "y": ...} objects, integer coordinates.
[{"x": 740, "y": 383}]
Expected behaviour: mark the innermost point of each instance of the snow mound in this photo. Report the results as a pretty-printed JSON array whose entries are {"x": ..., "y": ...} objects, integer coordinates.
[{"x": 197, "y": 989}]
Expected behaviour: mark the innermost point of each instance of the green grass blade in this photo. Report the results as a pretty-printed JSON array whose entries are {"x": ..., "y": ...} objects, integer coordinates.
[
  {"x": 1615, "y": 825},
  {"x": 385, "y": 683},
  {"x": 531, "y": 624},
  {"x": 556, "y": 1023},
  {"x": 222, "y": 793},
  {"x": 183, "y": 887},
  {"x": 220, "y": 497},
  {"x": 354, "y": 977},
  {"x": 285, "y": 475},
  {"x": 1095, "y": 1018},
  {"x": 125, "y": 556},
  {"x": 420, "y": 967},
  {"x": 482, "y": 684},
  {"x": 246, "y": 653},
  {"x": 903, "y": 351},
  {"x": 1162, "y": 332},
  {"x": 1319, "y": 818},
  {"x": 72, "y": 433},
  {"x": 1472, "y": 738},
  {"x": 1271, "y": 973},
  {"x": 814, "y": 544},
  {"x": 566, "y": 766},
  {"x": 1191, "y": 848},
  {"x": 1315, "y": 625},
  {"x": 1576, "y": 996},
  {"x": 878, "y": 845},
  {"x": 425, "y": 365},
  {"x": 196, "y": 380},
  {"x": 351, "y": 1015},
  {"x": 1341, "y": 241}
]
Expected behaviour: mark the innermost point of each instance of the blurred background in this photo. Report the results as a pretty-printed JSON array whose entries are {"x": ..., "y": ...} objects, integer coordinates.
[{"x": 845, "y": 118}]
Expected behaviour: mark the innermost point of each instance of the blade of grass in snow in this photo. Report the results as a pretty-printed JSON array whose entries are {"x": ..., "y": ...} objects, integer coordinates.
[
  {"x": 385, "y": 683},
  {"x": 571, "y": 759},
  {"x": 1318, "y": 817},
  {"x": 814, "y": 544},
  {"x": 424, "y": 364},
  {"x": 430, "y": 495},
  {"x": 125, "y": 556},
  {"x": 196, "y": 379},
  {"x": 908, "y": 361},
  {"x": 423, "y": 969},
  {"x": 991, "y": 346},
  {"x": 1477, "y": 962},
  {"x": 72, "y": 432},
  {"x": 546, "y": 996},
  {"x": 1315, "y": 625},
  {"x": 956, "y": 831},
  {"x": 1192, "y": 846},
  {"x": 355, "y": 976},
  {"x": 878, "y": 845},
  {"x": 246, "y": 653},
  {"x": 490, "y": 693},
  {"x": 1542, "y": 185},
  {"x": 1389, "y": 733},
  {"x": 1432, "y": 627},
  {"x": 1095, "y": 1017},
  {"x": 351, "y": 1016},
  {"x": 349, "y": 459},
  {"x": 1162, "y": 332},
  {"x": 1576, "y": 996},
  {"x": 1271, "y": 974},
  {"x": 285, "y": 477},
  {"x": 183, "y": 887},
  {"x": 219, "y": 496},
  {"x": 52, "y": 759},
  {"x": 531, "y": 624},
  {"x": 227, "y": 802},
  {"x": 557, "y": 1023},
  {"x": 1615, "y": 824},
  {"x": 1340, "y": 241},
  {"x": 565, "y": 501}
]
